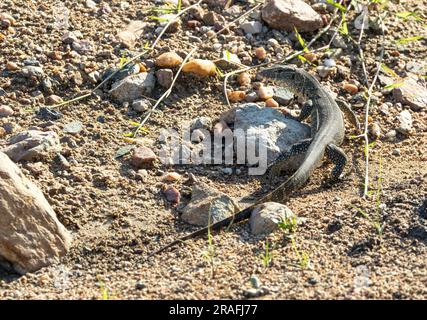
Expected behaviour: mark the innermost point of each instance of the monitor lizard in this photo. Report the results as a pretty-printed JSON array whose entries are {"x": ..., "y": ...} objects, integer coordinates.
[{"x": 327, "y": 133}]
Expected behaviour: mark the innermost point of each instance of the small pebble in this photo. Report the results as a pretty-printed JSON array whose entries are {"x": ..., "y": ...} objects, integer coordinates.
[
  {"x": 351, "y": 88},
  {"x": 140, "y": 285},
  {"x": 244, "y": 79},
  {"x": 324, "y": 72},
  {"x": 255, "y": 282},
  {"x": 142, "y": 156},
  {"x": 171, "y": 177},
  {"x": 11, "y": 66},
  {"x": 396, "y": 152},
  {"x": 200, "y": 67},
  {"x": 329, "y": 63},
  {"x": 271, "y": 103},
  {"x": 235, "y": 96},
  {"x": 251, "y": 97},
  {"x": 5, "y": 111},
  {"x": 53, "y": 100},
  {"x": 374, "y": 130},
  {"x": 310, "y": 56},
  {"x": 168, "y": 60},
  {"x": 172, "y": 194},
  {"x": 265, "y": 93},
  {"x": 261, "y": 53}
]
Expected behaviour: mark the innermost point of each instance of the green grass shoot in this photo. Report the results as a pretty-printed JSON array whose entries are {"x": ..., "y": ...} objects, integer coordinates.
[
  {"x": 266, "y": 256},
  {"x": 336, "y": 5},
  {"x": 408, "y": 40}
]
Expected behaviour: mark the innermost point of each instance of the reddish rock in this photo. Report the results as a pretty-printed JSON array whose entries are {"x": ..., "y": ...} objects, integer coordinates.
[
  {"x": 5, "y": 111},
  {"x": 142, "y": 156},
  {"x": 53, "y": 99},
  {"x": 290, "y": 14},
  {"x": 172, "y": 194}
]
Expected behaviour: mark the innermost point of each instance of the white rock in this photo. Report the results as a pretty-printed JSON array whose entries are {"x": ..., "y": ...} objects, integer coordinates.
[
  {"x": 281, "y": 132},
  {"x": 362, "y": 21},
  {"x": 252, "y": 27},
  {"x": 31, "y": 237},
  {"x": 90, "y": 4},
  {"x": 405, "y": 122}
]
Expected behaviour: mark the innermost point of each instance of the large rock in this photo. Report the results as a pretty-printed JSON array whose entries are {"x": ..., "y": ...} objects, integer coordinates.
[
  {"x": 290, "y": 14},
  {"x": 32, "y": 145},
  {"x": 280, "y": 131},
  {"x": 265, "y": 217},
  {"x": 31, "y": 236},
  {"x": 207, "y": 201},
  {"x": 412, "y": 93},
  {"x": 133, "y": 87}
]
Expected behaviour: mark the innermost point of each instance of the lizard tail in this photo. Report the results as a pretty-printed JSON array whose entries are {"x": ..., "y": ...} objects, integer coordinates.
[
  {"x": 240, "y": 216},
  {"x": 312, "y": 158}
]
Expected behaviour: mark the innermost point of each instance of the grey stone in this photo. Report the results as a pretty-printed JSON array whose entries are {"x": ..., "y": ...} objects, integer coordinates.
[
  {"x": 73, "y": 127},
  {"x": 31, "y": 237},
  {"x": 282, "y": 95},
  {"x": 252, "y": 27},
  {"x": 164, "y": 77},
  {"x": 141, "y": 105},
  {"x": 290, "y": 14},
  {"x": 201, "y": 123},
  {"x": 32, "y": 71},
  {"x": 281, "y": 131},
  {"x": 415, "y": 67},
  {"x": 133, "y": 87},
  {"x": 265, "y": 217},
  {"x": 71, "y": 36},
  {"x": 339, "y": 42},
  {"x": 205, "y": 202},
  {"x": 32, "y": 145},
  {"x": 46, "y": 113}
]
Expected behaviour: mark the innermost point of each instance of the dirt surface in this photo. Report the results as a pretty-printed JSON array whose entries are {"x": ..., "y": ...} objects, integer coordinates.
[{"x": 116, "y": 219}]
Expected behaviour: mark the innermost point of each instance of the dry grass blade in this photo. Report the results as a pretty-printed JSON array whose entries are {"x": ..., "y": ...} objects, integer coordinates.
[
  {"x": 165, "y": 94},
  {"x": 180, "y": 13}
]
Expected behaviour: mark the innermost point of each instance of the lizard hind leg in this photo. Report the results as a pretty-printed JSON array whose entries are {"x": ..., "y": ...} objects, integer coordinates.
[
  {"x": 338, "y": 158},
  {"x": 349, "y": 113},
  {"x": 277, "y": 166}
]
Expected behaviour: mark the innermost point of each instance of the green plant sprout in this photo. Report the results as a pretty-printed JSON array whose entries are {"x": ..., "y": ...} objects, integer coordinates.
[{"x": 267, "y": 257}]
